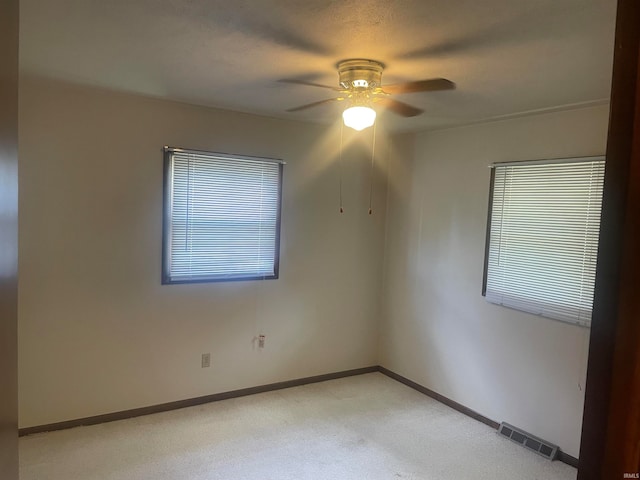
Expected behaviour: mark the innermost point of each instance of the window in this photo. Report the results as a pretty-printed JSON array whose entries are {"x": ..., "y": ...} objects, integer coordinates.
[
  {"x": 221, "y": 217},
  {"x": 542, "y": 237}
]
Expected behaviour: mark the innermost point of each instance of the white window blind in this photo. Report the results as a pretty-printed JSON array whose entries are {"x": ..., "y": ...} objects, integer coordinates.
[
  {"x": 543, "y": 237},
  {"x": 222, "y": 217}
]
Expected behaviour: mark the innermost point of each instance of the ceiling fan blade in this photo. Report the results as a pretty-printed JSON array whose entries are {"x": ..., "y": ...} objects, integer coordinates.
[
  {"x": 304, "y": 82},
  {"x": 398, "y": 108},
  {"x": 430, "y": 85},
  {"x": 314, "y": 104}
]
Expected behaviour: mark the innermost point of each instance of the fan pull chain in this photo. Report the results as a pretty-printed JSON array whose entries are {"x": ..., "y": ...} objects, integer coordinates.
[
  {"x": 340, "y": 166},
  {"x": 373, "y": 153}
]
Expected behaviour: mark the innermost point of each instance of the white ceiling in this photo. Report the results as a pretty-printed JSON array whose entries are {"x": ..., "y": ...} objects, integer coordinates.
[{"x": 507, "y": 57}]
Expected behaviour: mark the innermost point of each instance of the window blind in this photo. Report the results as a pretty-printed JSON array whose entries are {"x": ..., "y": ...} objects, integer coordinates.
[
  {"x": 543, "y": 237},
  {"x": 222, "y": 216}
]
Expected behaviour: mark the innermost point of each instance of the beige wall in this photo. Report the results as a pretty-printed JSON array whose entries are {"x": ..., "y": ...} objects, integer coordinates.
[
  {"x": 98, "y": 332},
  {"x": 438, "y": 330}
]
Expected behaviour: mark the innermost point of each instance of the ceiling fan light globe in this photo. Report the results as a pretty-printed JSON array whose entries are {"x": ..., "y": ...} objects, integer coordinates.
[{"x": 359, "y": 117}]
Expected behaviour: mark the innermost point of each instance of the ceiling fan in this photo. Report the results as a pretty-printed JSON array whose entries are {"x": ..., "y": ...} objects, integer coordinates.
[{"x": 361, "y": 86}]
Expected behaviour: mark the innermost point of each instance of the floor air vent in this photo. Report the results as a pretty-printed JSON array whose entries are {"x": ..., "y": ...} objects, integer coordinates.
[{"x": 528, "y": 441}]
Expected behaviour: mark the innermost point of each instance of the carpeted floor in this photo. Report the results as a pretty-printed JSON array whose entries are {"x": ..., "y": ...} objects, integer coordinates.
[{"x": 367, "y": 427}]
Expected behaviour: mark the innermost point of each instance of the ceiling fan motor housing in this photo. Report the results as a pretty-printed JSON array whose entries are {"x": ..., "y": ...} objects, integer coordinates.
[{"x": 360, "y": 73}]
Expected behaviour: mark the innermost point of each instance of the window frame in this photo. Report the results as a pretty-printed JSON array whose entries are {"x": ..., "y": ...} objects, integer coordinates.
[
  {"x": 166, "y": 218},
  {"x": 487, "y": 249}
]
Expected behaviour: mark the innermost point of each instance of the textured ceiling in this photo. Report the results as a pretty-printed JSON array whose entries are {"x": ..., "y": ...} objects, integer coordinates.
[{"x": 507, "y": 57}]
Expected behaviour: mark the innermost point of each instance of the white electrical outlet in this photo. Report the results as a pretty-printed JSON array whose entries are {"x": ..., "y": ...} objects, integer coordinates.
[
  {"x": 206, "y": 360},
  {"x": 261, "y": 341}
]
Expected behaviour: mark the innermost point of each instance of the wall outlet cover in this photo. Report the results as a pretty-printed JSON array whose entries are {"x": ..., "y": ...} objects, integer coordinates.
[{"x": 206, "y": 360}]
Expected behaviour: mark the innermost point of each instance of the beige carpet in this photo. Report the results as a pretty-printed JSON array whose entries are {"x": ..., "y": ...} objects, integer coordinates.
[{"x": 367, "y": 427}]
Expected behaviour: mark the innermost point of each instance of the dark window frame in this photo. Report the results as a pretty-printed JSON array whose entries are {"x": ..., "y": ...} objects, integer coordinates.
[{"x": 166, "y": 221}]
